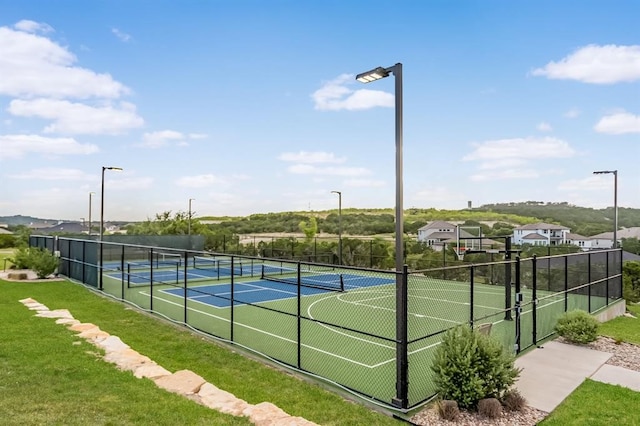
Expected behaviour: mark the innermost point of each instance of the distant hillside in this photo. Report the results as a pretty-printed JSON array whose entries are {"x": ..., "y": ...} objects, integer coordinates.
[
  {"x": 582, "y": 220},
  {"x": 26, "y": 220}
]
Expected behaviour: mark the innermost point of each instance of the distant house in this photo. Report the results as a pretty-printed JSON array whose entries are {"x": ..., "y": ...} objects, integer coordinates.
[
  {"x": 439, "y": 233},
  {"x": 585, "y": 243},
  {"x": 65, "y": 227},
  {"x": 602, "y": 241},
  {"x": 541, "y": 233}
]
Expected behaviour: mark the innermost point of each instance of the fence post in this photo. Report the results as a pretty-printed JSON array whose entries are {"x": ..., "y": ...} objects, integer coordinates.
[
  {"x": 566, "y": 283},
  {"x": 101, "y": 254},
  {"x": 507, "y": 279},
  {"x": 607, "y": 282},
  {"x": 589, "y": 281},
  {"x": 151, "y": 279},
  {"x": 186, "y": 269},
  {"x": 232, "y": 302},
  {"x": 517, "y": 304},
  {"x": 471, "y": 273},
  {"x": 401, "y": 399},
  {"x": 534, "y": 296},
  {"x": 299, "y": 325}
]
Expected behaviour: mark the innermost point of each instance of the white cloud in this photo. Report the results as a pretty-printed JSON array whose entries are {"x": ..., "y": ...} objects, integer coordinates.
[
  {"x": 33, "y": 27},
  {"x": 573, "y": 113},
  {"x": 311, "y": 157},
  {"x": 199, "y": 181},
  {"x": 619, "y": 123},
  {"x": 523, "y": 148},
  {"x": 16, "y": 146},
  {"x": 121, "y": 35},
  {"x": 77, "y": 118},
  {"x": 161, "y": 138},
  {"x": 308, "y": 169},
  {"x": 590, "y": 183},
  {"x": 596, "y": 64},
  {"x": 544, "y": 127},
  {"x": 54, "y": 174},
  {"x": 33, "y": 65},
  {"x": 335, "y": 96},
  {"x": 512, "y": 158}
]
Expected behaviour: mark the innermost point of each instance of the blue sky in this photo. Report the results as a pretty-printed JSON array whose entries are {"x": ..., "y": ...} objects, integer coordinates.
[{"x": 252, "y": 106}]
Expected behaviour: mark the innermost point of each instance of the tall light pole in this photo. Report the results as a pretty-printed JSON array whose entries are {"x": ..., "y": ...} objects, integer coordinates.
[
  {"x": 339, "y": 225},
  {"x": 91, "y": 194},
  {"x": 102, "y": 218},
  {"x": 102, "y": 199},
  {"x": 615, "y": 202},
  {"x": 190, "y": 200},
  {"x": 402, "y": 398}
]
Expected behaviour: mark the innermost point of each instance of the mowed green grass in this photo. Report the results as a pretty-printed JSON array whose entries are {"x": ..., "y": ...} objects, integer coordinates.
[
  {"x": 624, "y": 329},
  {"x": 50, "y": 376},
  {"x": 594, "y": 404}
]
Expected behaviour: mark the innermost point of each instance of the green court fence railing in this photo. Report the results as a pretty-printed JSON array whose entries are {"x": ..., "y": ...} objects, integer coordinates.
[{"x": 347, "y": 325}]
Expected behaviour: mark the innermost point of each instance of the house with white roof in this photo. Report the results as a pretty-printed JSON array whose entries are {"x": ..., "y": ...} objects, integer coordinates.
[{"x": 545, "y": 234}]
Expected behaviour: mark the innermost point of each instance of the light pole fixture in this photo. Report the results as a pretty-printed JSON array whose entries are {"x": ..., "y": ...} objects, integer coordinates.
[
  {"x": 91, "y": 194},
  {"x": 102, "y": 199},
  {"x": 615, "y": 202},
  {"x": 402, "y": 398},
  {"x": 190, "y": 200},
  {"x": 339, "y": 225}
]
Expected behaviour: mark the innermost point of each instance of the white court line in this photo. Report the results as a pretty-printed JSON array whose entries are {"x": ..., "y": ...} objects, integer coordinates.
[{"x": 271, "y": 334}]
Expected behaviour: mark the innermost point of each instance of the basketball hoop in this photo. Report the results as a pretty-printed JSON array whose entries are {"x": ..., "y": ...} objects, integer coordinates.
[{"x": 460, "y": 252}]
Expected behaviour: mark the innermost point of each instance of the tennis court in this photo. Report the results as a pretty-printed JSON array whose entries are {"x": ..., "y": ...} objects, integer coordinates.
[{"x": 346, "y": 334}]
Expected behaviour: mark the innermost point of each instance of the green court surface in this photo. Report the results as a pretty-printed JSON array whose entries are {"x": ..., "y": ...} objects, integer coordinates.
[{"x": 346, "y": 336}]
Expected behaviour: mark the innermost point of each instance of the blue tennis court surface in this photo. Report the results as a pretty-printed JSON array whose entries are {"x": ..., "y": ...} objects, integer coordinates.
[{"x": 265, "y": 290}]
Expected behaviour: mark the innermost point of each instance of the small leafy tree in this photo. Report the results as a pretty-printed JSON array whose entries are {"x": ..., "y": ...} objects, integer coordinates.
[
  {"x": 40, "y": 260},
  {"x": 470, "y": 367},
  {"x": 43, "y": 262}
]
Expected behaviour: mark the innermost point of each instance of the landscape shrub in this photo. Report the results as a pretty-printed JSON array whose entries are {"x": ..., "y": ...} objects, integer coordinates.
[
  {"x": 513, "y": 400},
  {"x": 448, "y": 409},
  {"x": 21, "y": 259},
  {"x": 577, "y": 327},
  {"x": 631, "y": 281},
  {"x": 490, "y": 408},
  {"x": 7, "y": 241},
  {"x": 469, "y": 367},
  {"x": 41, "y": 261}
]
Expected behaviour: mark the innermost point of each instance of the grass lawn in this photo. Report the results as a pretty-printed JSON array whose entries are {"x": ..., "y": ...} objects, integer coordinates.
[
  {"x": 594, "y": 403},
  {"x": 48, "y": 375},
  {"x": 624, "y": 328}
]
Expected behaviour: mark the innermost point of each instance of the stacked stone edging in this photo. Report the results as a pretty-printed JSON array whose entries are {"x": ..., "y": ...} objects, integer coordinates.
[{"x": 183, "y": 382}]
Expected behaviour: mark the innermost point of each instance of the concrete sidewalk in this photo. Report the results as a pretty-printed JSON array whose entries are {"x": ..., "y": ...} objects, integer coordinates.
[{"x": 550, "y": 373}]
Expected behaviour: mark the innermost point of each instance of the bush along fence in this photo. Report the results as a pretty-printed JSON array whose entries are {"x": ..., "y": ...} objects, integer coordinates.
[{"x": 370, "y": 331}]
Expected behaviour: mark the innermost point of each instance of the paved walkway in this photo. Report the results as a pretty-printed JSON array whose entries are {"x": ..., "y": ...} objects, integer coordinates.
[{"x": 550, "y": 373}]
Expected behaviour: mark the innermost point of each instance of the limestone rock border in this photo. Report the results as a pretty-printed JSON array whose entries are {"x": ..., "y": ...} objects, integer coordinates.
[{"x": 183, "y": 382}]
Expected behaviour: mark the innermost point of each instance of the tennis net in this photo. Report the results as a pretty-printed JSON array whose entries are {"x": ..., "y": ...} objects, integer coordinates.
[
  {"x": 159, "y": 259},
  {"x": 217, "y": 264},
  {"x": 306, "y": 278}
]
